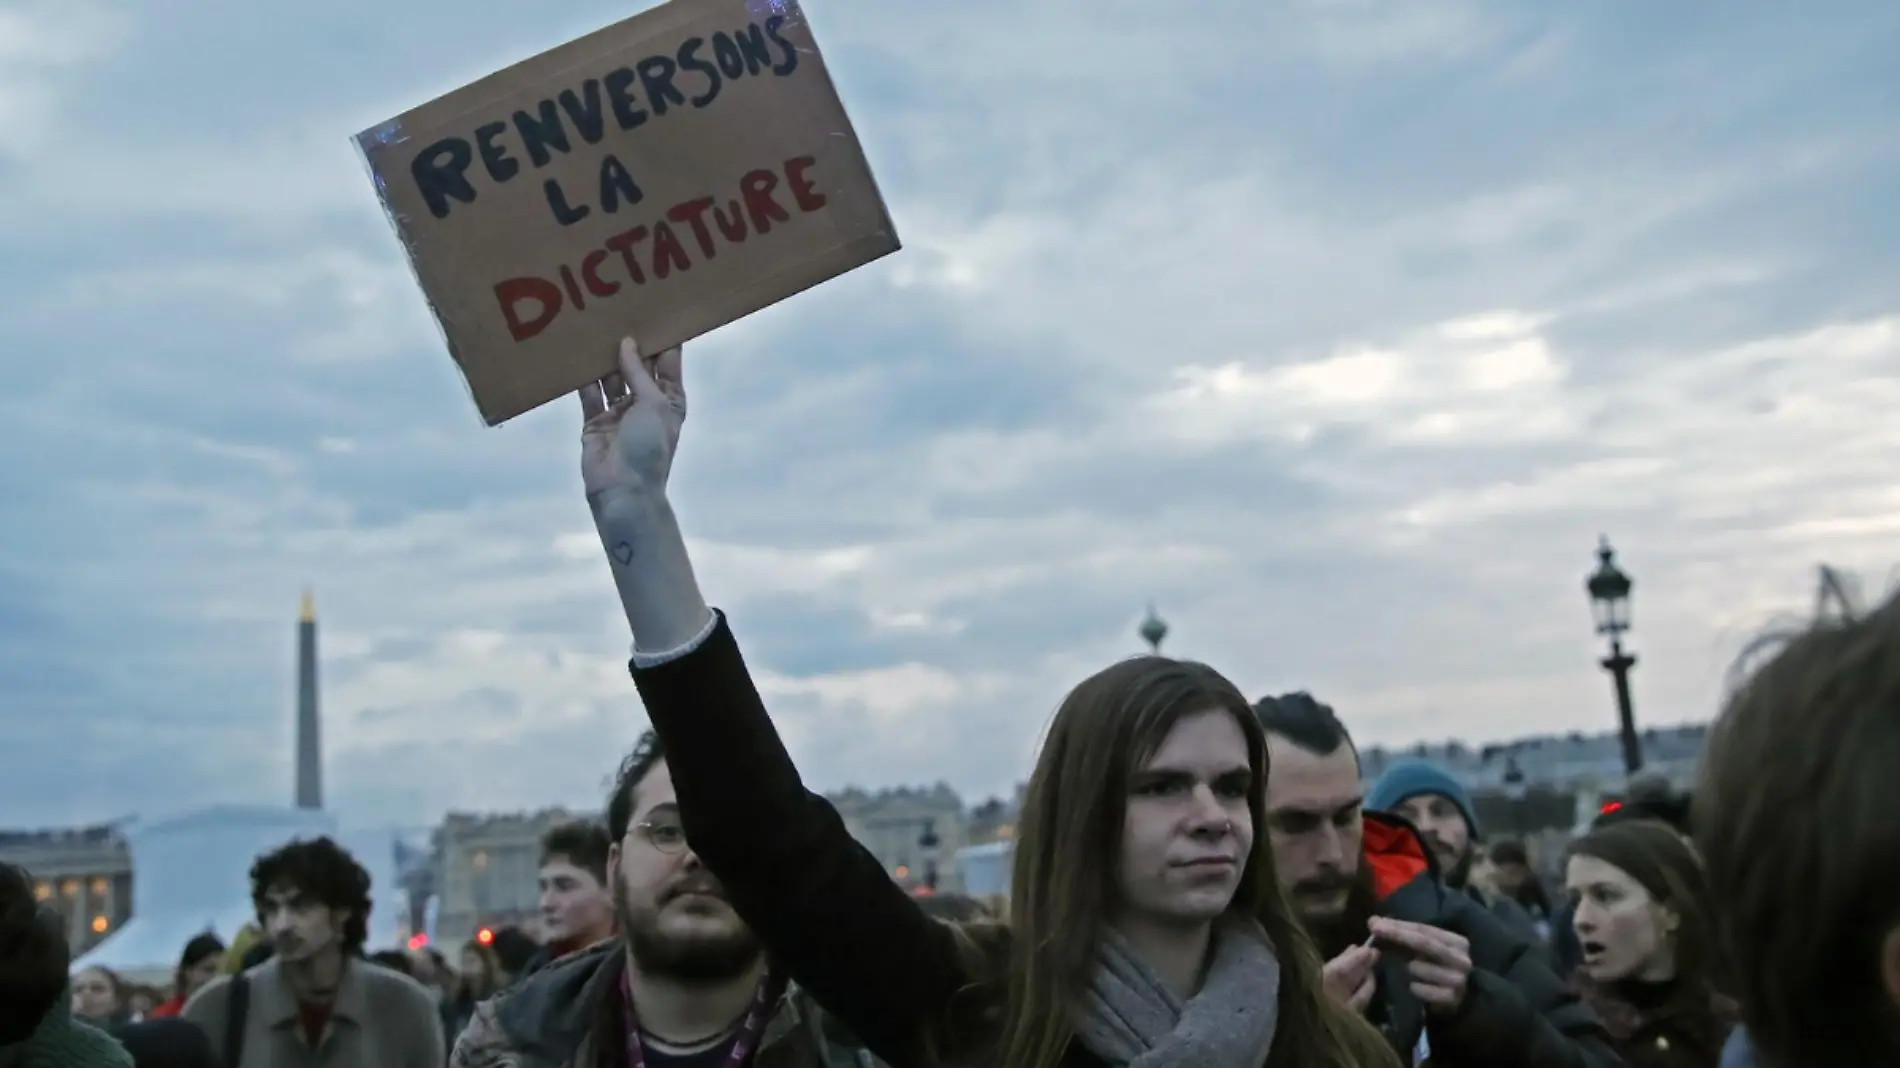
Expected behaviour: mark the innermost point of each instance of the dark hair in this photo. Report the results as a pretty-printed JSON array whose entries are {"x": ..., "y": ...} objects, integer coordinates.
[
  {"x": 325, "y": 871},
  {"x": 395, "y": 960},
  {"x": 1307, "y": 723},
  {"x": 514, "y": 950},
  {"x": 954, "y": 908},
  {"x": 581, "y": 843},
  {"x": 1509, "y": 851},
  {"x": 258, "y": 952},
  {"x": 1794, "y": 817},
  {"x": 200, "y": 947},
  {"x": 1653, "y": 854},
  {"x": 633, "y": 770},
  {"x": 35, "y": 958},
  {"x": 163, "y": 1043}
]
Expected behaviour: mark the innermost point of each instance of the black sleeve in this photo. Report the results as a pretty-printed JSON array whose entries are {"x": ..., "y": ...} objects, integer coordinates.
[
  {"x": 821, "y": 904},
  {"x": 1517, "y": 1012}
]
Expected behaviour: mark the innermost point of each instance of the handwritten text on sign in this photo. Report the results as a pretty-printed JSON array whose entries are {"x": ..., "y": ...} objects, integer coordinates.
[{"x": 579, "y": 178}]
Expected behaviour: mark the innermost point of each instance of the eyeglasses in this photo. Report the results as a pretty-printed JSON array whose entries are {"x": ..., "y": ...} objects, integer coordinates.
[{"x": 667, "y": 836}]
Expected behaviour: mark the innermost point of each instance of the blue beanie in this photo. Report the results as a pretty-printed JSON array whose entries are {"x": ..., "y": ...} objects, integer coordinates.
[{"x": 1415, "y": 778}]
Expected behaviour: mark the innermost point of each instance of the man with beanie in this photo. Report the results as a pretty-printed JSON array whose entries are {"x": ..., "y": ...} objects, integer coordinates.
[
  {"x": 1438, "y": 805},
  {"x": 37, "y": 1029}
]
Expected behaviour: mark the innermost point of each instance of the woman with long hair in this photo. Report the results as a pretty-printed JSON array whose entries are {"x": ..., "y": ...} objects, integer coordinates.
[
  {"x": 1146, "y": 928},
  {"x": 478, "y": 980},
  {"x": 1649, "y": 966},
  {"x": 197, "y": 965}
]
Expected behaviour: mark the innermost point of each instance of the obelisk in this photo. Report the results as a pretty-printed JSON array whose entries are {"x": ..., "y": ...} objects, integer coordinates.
[{"x": 309, "y": 735}]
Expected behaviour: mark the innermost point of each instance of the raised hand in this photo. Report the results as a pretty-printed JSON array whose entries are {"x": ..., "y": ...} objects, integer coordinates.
[{"x": 631, "y": 427}]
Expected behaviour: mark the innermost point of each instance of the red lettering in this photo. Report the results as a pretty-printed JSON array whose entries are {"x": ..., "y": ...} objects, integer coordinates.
[
  {"x": 512, "y": 291},
  {"x": 733, "y": 227},
  {"x": 623, "y": 243},
  {"x": 668, "y": 253},
  {"x": 590, "y": 274},
  {"x": 757, "y": 187},
  {"x": 693, "y": 213},
  {"x": 573, "y": 288},
  {"x": 807, "y": 196}
]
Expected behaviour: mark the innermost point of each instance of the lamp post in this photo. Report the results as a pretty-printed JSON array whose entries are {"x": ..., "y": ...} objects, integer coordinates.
[
  {"x": 929, "y": 844},
  {"x": 1153, "y": 631},
  {"x": 1609, "y": 591}
]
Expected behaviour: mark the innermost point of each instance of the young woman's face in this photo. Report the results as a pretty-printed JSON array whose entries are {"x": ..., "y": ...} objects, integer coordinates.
[
  {"x": 93, "y": 995},
  {"x": 1625, "y": 932},
  {"x": 1188, "y": 831}
]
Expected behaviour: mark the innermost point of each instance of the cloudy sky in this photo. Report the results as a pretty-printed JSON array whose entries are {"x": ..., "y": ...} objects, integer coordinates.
[{"x": 1338, "y": 329}]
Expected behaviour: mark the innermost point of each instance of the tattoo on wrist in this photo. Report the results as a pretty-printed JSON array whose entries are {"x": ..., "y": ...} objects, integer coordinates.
[{"x": 623, "y": 552}]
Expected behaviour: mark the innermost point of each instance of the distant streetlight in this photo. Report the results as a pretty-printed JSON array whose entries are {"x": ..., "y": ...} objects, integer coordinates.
[
  {"x": 1609, "y": 590},
  {"x": 1153, "y": 631},
  {"x": 930, "y": 845}
]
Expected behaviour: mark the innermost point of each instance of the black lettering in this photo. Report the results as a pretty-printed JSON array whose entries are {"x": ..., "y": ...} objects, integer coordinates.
[
  {"x": 752, "y": 46},
  {"x": 619, "y": 84},
  {"x": 616, "y": 185},
  {"x": 790, "y": 62},
  {"x": 656, "y": 78},
  {"x": 501, "y": 166},
  {"x": 731, "y": 225},
  {"x": 726, "y": 51},
  {"x": 568, "y": 216},
  {"x": 668, "y": 253},
  {"x": 583, "y": 109},
  {"x": 693, "y": 214},
  {"x": 542, "y": 131},
  {"x": 623, "y": 244},
  {"x": 441, "y": 174},
  {"x": 689, "y": 60}
]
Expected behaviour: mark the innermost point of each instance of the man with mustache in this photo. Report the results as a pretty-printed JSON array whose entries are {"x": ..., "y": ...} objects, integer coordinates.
[
  {"x": 1433, "y": 969},
  {"x": 685, "y": 985},
  {"x": 1440, "y": 809}
]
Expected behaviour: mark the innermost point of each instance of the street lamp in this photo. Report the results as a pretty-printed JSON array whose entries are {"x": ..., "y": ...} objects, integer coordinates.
[
  {"x": 1153, "y": 631},
  {"x": 929, "y": 844},
  {"x": 1610, "y": 601}
]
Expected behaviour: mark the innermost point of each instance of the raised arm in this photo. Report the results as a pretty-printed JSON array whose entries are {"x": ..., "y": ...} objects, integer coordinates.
[{"x": 822, "y": 905}]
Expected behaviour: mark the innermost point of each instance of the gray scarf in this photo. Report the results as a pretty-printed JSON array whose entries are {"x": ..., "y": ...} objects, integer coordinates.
[{"x": 1132, "y": 1019}]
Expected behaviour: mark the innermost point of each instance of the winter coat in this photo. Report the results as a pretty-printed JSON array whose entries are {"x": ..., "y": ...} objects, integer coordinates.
[
  {"x": 1517, "y": 1011},
  {"x": 61, "y": 1041},
  {"x": 1649, "y": 1035},
  {"x": 379, "y": 1019},
  {"x": 567, "y": 1015}
]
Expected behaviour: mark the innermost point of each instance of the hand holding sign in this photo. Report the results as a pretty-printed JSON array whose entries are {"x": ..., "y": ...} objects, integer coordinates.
[{"x": 631, "y": 427}]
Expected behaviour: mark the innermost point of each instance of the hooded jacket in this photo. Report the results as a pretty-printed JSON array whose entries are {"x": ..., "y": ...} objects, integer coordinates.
[{"x": 1516, "y": 1012}]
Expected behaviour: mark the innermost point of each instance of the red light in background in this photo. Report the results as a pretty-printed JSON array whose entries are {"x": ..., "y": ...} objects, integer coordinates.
[
  {"x": 485, "y": 936},
  {"x": 418, "y": 941},
  {"x": 1609, "y": 807}
]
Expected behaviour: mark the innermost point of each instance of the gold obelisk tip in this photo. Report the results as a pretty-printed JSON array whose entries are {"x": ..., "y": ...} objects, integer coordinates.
[{"x": 309, "y": 612}]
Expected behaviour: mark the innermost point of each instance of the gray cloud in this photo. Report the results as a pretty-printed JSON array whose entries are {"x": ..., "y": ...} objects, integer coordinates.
[{"x": 1337, "y": 329}]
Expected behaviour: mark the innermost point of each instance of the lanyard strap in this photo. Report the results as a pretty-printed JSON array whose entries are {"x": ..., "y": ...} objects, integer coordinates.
[{"x": 742, "y": 1043}]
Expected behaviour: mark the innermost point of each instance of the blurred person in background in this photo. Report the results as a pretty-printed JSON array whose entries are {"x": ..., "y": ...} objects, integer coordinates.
[
  {"x": 479, "y": 979},
  {"x": 99, "y": 997},
  {"x": 514, "y": 950},
  {"x": 577, "y": 909},
  {"x": 1513, "y": 877},
  {"x": 167, "y": 1042},
  {"x": 1644, "y": 916},
  {"x": 37, "y": 1027},
  {"x": 197, "y": 965},
  {"x": 316, "y": 1003},
  {"x": 395, "y": 960}
]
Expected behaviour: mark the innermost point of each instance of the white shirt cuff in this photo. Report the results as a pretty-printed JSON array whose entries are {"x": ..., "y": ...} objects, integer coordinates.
[{"x": 643, "y": 661}]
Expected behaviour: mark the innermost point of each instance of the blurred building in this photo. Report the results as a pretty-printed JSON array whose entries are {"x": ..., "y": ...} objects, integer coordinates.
[
  {"x": 487, "y": 871},
  {"x": 914, "y": 832},
  {"x": 1557, "y": 762},
  {"x": 83, "y": 873}
]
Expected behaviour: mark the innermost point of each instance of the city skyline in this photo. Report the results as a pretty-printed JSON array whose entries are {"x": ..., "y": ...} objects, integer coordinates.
[{"x": 1340, "y": 340}]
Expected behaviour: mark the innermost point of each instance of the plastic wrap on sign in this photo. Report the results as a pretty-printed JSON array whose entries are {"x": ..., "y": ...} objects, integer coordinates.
[{"x": 658, "y": 178}]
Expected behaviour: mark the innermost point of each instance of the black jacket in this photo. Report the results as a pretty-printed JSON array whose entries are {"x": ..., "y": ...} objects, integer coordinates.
[
  {"x": 1517, "y": 1011},
  {"x": 829, "y": 913}
]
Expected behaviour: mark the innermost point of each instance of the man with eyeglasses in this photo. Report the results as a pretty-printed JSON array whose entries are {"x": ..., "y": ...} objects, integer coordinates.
[{"x": 685, "y": 985}]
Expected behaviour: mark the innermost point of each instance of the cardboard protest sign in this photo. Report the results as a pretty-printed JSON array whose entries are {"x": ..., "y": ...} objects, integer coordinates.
[{"x": 660, "y": 178}]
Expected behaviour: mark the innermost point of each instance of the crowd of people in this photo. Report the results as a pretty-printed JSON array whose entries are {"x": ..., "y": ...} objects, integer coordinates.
[{"x": 1199, "y": 879}]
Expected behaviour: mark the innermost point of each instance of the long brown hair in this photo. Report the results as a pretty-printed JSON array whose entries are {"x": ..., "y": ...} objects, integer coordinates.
[
  {"x": 1656, "y": 857},
  {"x": 1063, "y": 882}
]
